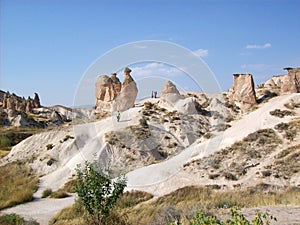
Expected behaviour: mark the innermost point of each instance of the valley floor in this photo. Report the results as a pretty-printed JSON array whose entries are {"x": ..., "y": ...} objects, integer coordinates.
[{"x": 42, "y": 210}]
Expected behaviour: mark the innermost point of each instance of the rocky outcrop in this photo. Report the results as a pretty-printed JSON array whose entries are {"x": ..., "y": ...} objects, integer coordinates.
[
  {"x": 112, "y": 95},
  {"x": 274, "y": 82},
  {"x": 243, "y": 93},
  {"x": 14, "y": 102},
  {"x": 170, "y": 97},
  {"x": 286, "y": 83},
  {"x": 291, "y": 82}
]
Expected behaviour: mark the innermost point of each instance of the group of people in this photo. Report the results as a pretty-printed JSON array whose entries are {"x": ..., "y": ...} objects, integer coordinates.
[{"x": 154, "y": 94}]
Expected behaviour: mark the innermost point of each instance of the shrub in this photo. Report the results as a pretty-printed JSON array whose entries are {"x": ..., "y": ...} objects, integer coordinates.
[
  {"x": 282, "y": 113},
  {"x": 11, "y": 219},
  {"x": 143, "y": 122},
  {"x": 50, "y": 162},
  {"x": 4, "y": 141},
  {"x": 229, "y": 176},
  {"x": 97, "y": 192},
  {"x": 46, "y": 193},
  {"x": 49, "y": 146},
  {"x": 59, "y": 194},
  {"x": 237, "y": 217}
]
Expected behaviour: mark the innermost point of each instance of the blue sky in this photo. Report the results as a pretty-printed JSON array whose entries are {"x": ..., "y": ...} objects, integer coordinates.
[{"x": 47, "y": 46}]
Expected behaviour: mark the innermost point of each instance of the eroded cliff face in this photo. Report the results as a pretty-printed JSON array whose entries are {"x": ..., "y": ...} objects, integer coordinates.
[
  {"x": 112, "y": 95},
  {"x": 243, "y": 93}
]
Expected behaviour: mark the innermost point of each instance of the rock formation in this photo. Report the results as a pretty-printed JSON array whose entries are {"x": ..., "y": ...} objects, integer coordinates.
[
  {"x": 113, "y": 95},
  {"x": 14, "y": 102},
  {"x": 291, "y": 82},
  {"x": 243, "y": 93},
  {"x": 287, "y": 83},
  {"x": 171, "y": 97}
]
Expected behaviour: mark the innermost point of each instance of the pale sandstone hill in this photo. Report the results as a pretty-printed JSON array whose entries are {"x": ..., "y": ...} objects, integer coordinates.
[{"x": 57, "y": 153}]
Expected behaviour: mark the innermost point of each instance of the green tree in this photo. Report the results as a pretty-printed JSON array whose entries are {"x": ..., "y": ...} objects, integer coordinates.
[{"x": 98, "y": 192}]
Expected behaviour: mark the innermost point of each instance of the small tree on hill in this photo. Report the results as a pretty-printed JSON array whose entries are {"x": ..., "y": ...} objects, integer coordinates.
[{"x": 97, "y": 192}]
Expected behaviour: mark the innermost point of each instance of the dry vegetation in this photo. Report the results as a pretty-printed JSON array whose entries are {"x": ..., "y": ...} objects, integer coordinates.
[
  {"x": 289, "y": 130},
  {"x": 183, "y": 203},
  {"x": 282, "y": 113},
  {"x": 17, "y": 184},
  {"x": 249, "y": 153},
  {"x": 10, "y": 136}
]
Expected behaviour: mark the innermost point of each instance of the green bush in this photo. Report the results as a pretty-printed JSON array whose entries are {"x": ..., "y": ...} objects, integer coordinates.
[
  {"x": 46, "y": 193},
  {"x": 143, "y": 122},
  {"x": 4, "y": 141},
  {"x": 49, "y": 146},
  {"x": 237, "y": 218},
  {"x": 97, "y": 192},
  {"x": 11, "y": 219}
]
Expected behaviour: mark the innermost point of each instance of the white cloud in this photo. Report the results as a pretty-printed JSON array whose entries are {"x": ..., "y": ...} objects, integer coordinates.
[
  {"x": 201, "y": 52},
  {"x": 267, "y": 45},
  {"x": 156, "y": 69}
]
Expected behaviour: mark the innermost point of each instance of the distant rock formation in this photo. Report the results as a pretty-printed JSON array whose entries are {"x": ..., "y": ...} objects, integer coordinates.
[
  {"x": 170, "y": 93},
  {"x": 171, "y": 97},
  {"x": 243, "y": 93},
  {"x": 286, "y": 83},
  {"x": 291, "y": 82},
  {"x": 16, "y": 103},
  {"x": 106, "y": 90},
  {"x": 112, "y": 95}
]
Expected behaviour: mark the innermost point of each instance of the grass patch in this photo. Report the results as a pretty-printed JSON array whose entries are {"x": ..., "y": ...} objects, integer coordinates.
[
  {"x": 75, "y": 214},
  {"x": 130, "y": 199},
  {"x": 14, "y": 219},
  {"x": 182, "y": 204},
  {"x": 188, "y": 200},
  {"x": 17, "y": 184},
  {"x": 59, "y": 194}
]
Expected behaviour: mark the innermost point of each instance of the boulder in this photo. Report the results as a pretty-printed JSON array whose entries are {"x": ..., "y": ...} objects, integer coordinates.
[
  {"x": 243, "y": 93},
  {"x": 170, "y": 97},
  {"x": 170, "y": 94}
]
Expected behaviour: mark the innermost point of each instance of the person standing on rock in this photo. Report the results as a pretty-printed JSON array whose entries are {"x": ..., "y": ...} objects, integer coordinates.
[{"x": 118, "y": 115}]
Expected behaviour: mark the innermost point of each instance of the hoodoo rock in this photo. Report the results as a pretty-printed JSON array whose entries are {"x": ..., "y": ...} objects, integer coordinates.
[
  {"x": 291, "y": 81},
  {"x": 113, "y": 95},
  {"x": 243, "y": 93},
  {"x": 106, "y": 90},
  {"x": 14, "y": 102},
  {"x": 128, "y": 94}
]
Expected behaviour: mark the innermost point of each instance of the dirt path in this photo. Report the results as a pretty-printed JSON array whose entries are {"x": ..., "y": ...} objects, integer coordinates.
[{"x": 40, "y": 210}]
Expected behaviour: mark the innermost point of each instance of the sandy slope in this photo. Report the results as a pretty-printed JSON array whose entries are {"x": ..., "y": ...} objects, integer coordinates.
[{"x": 167, "y": 176}]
